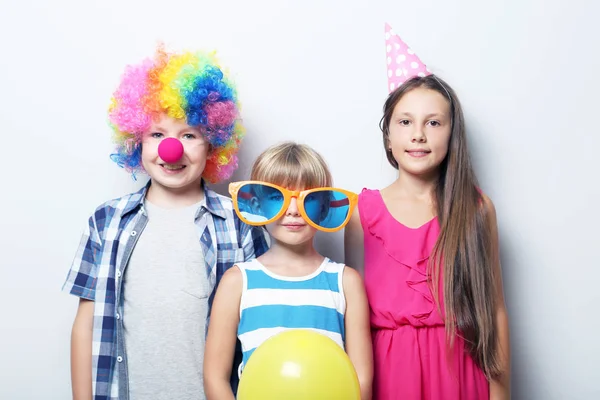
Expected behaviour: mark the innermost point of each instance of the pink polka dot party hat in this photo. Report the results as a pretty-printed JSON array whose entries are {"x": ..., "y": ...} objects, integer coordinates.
[{"x": 402, "y": 62}]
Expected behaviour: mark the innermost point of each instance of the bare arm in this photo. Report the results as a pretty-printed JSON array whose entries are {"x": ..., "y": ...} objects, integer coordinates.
[
  {"x": 358, "y": 331},
  {"x": 81, "y": 351},
  {"x": 354, "y": 247},
  {"x": 499, "y": 387},
  {"x": 222, "y": 335}
]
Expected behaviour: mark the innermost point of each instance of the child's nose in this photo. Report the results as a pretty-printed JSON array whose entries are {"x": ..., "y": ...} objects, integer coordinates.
[
  {"x": 418, "y": 135},
  {"x": 170, "y": 150},
  {"x": 293, "y": 207}
]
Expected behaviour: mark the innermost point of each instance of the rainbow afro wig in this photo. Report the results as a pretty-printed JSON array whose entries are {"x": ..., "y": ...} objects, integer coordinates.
[{"x": 189, "y": 86}]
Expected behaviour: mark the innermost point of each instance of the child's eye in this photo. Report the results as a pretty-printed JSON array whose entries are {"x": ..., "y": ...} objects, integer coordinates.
[
  {"x": 434, "y": 123},
  {"x": 189, "y": 136},
  {"x": 404, "y": 122},
  {"x": 157, "y": 135}
]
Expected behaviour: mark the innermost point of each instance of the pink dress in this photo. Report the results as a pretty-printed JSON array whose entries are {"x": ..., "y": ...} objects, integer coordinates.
[{"x": 409, "y": 339}]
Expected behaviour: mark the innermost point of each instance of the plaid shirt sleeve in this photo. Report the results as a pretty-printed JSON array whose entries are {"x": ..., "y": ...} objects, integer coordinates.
[
  {"x": 254, "y": 241},
  {"x": 81, "y": 279}
]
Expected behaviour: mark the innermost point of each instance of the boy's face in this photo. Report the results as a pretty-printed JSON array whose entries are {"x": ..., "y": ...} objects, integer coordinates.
[{"x": 185, "y": 173}]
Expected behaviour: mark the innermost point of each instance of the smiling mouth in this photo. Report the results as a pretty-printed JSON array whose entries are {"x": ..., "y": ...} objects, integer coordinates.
[
  {"x": 294, "y": 226},
  {"x": 172, "y": 167},
  {"x": 418, "y": 153}
]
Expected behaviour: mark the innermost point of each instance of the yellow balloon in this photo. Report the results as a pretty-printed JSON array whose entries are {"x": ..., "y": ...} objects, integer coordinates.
[{"x": 299, "y": 365}]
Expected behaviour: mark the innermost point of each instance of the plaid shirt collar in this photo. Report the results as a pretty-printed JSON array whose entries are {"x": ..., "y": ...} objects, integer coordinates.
[{"x": 213, "y": 203}]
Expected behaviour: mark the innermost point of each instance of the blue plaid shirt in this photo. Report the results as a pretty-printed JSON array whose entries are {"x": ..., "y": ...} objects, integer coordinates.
[{"x": 103, "y": 254}]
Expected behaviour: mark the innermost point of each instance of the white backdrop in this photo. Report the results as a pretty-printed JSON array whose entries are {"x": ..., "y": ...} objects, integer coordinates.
[{"x": 313, "y": 71}]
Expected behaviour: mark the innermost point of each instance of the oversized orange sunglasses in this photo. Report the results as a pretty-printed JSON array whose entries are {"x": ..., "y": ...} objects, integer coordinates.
[{"x": 260, "y": 203}]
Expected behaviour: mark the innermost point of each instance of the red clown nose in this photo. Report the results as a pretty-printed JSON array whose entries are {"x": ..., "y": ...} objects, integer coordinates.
[{"x": 170, "y": 150}]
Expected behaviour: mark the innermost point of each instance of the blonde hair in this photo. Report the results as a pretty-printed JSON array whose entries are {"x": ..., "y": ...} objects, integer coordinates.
[{"x": 293, "y": 166}]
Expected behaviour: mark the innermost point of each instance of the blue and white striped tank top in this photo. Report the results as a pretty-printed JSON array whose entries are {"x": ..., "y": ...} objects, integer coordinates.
[{"x": 272, "y": 303}]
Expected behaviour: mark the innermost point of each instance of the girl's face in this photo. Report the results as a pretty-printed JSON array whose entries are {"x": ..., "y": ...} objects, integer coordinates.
[{"x": 419, "y": 132}]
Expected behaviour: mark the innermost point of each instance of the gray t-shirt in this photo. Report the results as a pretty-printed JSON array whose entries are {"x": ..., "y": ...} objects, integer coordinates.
[{"x": 165, "y": 308}]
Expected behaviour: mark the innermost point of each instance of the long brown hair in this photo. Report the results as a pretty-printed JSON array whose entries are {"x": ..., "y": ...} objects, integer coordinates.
[{"x": 463, "y": 251}]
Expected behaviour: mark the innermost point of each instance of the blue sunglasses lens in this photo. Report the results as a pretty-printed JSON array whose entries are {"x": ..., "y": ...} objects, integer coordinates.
[
  {"x": 259, "y": 203},
  {"x": 327, "y": 208}
]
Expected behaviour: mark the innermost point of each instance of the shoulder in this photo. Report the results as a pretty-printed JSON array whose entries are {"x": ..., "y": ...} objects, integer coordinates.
[
  {"x": 488, "y": 207},
  {"x": 369, "y": 199},
  {"x": 232, "y": 279},
  {"x": 366, "y": 193},
  {"x": 222, "y": 206},
  {"x": 218, "y": 199},
  {"x": 488, "y": 213},
  {"x": 121, "y": 202},
  {"x": 353, "y": 286},
  {"x": 228, "y": 293},
  {"x": 487, "y": 203},
  {"x": 368, "y": 210},
  {"x": 364, "y": 198},
  {"x": 352, "y": 278},
  {"x": 117, "y": 207}
]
